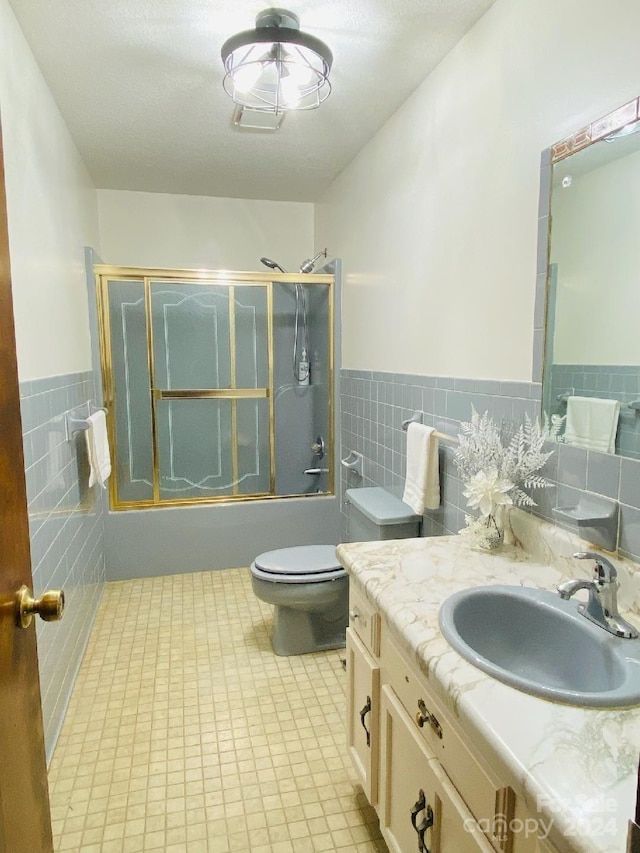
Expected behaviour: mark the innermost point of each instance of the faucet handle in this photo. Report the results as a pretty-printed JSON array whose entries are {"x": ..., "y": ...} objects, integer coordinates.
[{"x": 604, "y": 569}]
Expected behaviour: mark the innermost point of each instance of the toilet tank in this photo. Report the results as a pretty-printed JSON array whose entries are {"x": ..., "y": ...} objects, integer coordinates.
[{"x": 374, "y": 514}]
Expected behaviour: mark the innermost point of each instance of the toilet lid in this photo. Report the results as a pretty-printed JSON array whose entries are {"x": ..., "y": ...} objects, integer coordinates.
[
  {"x": 301, "y": 564},
  {"x": 301, "y": 560}
]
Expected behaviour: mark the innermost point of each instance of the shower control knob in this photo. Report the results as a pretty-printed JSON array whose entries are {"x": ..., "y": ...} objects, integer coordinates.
[{"x": 317, "y": 448}]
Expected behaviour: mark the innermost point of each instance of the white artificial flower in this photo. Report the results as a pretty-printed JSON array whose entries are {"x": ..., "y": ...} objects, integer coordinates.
[
  {"x": 515, "y": 453},
  {"x": 487, "y": 490}
]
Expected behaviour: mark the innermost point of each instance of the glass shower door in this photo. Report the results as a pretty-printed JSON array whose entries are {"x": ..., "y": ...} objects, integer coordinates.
[
  {"x": 202, "y": 383},
  {"x": 189, "y": 375},
  {"x": 211, "y": 377},
  {"x": 130, "y": 380}
]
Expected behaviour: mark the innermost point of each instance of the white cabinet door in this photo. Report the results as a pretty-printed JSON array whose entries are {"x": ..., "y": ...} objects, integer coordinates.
[
  {"x": 419, "y": 808},
  {"x": 363, "y": 704}
]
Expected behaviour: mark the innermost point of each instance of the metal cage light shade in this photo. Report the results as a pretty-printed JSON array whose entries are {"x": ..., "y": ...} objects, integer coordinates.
[{"x": 276, "y": 67}]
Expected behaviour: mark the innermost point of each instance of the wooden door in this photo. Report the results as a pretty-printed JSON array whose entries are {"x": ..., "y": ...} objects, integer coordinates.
[{"x": 25, "y": 824}]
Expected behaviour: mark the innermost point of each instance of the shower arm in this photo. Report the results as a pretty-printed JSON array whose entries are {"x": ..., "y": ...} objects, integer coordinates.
[{"x": 308, "y": 265}]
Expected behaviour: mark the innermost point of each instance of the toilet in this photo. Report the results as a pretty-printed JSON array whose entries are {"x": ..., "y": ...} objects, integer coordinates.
[{"x": 308, "y": 587}]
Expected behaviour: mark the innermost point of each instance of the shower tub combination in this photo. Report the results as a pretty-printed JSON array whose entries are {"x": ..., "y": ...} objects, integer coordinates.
[{"x": 219, "y": 388}]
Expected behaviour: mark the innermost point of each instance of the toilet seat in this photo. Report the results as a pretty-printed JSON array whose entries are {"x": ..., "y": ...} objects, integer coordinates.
[{"x": 299, "y": 564}]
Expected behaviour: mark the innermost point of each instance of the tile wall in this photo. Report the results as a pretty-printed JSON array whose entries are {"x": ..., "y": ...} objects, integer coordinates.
[
  {"x": 374, "y": 404},
  {"x": 66, "y": 530},
  {"x": 617, "y": 382}
]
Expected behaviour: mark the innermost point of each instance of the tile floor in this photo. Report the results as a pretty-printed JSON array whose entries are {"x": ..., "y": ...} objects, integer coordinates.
[{"x": 186, "y": 733}]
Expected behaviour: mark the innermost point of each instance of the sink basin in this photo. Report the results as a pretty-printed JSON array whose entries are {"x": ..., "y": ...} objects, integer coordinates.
[{"x": 534, "y": 641}]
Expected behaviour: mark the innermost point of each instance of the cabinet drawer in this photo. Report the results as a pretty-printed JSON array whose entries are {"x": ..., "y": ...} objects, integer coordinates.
[
  {"x": 477, "y": 785},
  {"x": 364, "y": 619}
]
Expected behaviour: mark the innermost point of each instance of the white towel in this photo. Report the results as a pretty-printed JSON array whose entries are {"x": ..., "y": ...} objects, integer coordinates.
[
  {"x": 422, "y": 481},
  {"x": 98, "y": 449},
  {"x": 592, "y": 423}
]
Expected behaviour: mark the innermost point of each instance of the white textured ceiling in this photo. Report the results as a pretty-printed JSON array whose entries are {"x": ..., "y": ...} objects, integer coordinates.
[{"x": 139, "y": 83}]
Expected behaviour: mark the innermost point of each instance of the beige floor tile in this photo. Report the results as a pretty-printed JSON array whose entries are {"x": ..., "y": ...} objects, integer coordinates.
[{"x": 186, "y": 733}]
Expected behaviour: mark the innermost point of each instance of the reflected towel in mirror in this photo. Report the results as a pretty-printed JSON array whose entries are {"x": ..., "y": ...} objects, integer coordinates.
[{"x": 592, "y": 423}]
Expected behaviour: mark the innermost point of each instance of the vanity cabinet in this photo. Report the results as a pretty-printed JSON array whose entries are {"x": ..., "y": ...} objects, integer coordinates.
[
  {"x": 430, "y": 789},
  {"x": 363, "y": 692},
  {"x": 419, "y": 807},
  {"x": 363, "y": 704}
]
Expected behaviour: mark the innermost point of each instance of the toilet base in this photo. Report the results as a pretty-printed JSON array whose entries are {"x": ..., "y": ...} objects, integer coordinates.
[
  {"x": 298, "y": 632},
  {"x": 308, "y": 617}
]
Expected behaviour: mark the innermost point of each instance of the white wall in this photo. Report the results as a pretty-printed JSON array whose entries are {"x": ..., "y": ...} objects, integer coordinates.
[
  {"x": 595, "y": 243},
  {"x": 52, "y": 214},
  {"x": 178, "y": 231},
  {"x": 436, "y": 219}
]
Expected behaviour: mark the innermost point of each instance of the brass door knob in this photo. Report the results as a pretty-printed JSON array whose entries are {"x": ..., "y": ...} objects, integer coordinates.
[{"x": 49, "y": 606}]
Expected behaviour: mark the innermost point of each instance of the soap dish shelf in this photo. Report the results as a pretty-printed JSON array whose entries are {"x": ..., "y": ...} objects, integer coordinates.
[{"x": 595, "y": 519}]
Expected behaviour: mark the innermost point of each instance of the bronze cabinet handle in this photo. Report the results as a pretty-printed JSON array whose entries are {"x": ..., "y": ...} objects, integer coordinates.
[
  {"x": 418, "y": 807},
  {"x": 424, "y": 826},
  {"x": 425, "y": 823},
  {"x": 424, "y": 715},
  {"x": 366, "y": 710}
]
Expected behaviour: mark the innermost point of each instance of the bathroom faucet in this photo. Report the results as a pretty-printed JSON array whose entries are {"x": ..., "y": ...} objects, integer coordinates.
[{"x": 602, "y": 606}]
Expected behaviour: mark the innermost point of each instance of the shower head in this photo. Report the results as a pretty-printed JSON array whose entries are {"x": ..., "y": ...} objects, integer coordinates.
[
  {"x": 273, "y": 265},
  {"x": 309, "y": 264}
]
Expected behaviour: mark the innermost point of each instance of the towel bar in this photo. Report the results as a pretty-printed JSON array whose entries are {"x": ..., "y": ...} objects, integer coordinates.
[
  {"x": 416, "y": 418},
  {"x": 75, "y": 424},
  {"x": 634, "y": 405}
]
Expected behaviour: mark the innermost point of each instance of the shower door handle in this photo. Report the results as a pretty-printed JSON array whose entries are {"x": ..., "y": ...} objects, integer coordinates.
[{"x": 315, "y": 471}]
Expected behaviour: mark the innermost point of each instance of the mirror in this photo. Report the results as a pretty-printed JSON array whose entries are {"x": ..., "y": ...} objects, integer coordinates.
[{"x": 592, "y": 345}]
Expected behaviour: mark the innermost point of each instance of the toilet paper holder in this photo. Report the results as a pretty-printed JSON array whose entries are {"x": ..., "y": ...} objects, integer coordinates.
[{"x": 353, "y": 462}]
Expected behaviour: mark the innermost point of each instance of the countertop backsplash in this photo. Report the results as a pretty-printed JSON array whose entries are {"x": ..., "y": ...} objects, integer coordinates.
[{"x": 548, "y": 544}]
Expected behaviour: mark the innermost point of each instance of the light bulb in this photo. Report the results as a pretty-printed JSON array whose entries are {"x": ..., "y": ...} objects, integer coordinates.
[
  {"x": 296, "y": 65},
  {"x": 290, "y": 91},
  {"x": 245, "y": 78},
  {"x": 250, "y": 67}
]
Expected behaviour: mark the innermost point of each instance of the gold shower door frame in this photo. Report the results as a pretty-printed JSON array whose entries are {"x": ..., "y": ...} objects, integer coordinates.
[{"x": 105, "y": 274}]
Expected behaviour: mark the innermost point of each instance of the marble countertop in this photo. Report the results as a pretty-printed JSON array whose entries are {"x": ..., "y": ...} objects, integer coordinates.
[{"x": 576, "y": 767}]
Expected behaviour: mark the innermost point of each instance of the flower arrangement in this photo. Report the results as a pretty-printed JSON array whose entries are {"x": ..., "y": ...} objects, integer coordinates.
[{"x": 496, "y": 467}]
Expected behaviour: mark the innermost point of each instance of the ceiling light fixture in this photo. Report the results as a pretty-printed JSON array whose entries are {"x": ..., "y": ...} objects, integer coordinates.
[{"x": 276, "y": 67}]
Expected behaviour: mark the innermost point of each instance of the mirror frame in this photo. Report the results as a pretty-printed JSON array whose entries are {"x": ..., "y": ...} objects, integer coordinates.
[
  {"x": 591, "y": 133},
  {"x": 580, "y": 139}
]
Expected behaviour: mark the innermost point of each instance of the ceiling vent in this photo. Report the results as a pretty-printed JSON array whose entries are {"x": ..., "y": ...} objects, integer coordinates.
[{"x": 245, "y": 118}]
